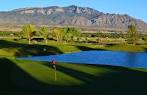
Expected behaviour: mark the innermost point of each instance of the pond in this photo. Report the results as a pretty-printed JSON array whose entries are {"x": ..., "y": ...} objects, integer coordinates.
[{"x": 125, "y": 59}]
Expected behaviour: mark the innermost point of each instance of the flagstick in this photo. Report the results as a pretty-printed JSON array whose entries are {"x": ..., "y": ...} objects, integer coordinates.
[{"x": 55, "y": 72}]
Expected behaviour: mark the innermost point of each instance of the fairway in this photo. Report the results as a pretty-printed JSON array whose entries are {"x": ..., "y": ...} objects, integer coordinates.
[
  {"x": 38, "y": 78},
  {"x": 22, "y": 77}
]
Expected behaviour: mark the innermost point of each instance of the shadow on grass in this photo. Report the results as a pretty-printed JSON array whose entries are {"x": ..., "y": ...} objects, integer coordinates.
[
  {"x": 145, "y": 49},
  {"x": 85, "y": 48},
  {"x": 15, "y": 81},
  {"x": 122, "y": 81},
  {"x": 86, "y": 78},
  {"x": 26, "y": 49},
  {"x": 11, "y": 78},
  {"x": 111, "y": 44}
]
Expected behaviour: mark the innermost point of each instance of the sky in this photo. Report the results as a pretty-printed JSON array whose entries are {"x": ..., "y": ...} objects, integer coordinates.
[{"x": 135, "y": 8}]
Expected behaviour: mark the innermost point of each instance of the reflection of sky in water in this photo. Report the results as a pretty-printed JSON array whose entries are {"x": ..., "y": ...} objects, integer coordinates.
[{"x": 99, "y": 57}]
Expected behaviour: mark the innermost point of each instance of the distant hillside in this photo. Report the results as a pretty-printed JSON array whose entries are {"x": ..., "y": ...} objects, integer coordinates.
[{"x": 71, "y": 16}]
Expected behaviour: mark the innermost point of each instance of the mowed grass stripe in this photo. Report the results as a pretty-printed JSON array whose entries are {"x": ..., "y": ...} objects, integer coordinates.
[
  {"x": 45, "y": 73},
  {"x": 88, "y": 69}
]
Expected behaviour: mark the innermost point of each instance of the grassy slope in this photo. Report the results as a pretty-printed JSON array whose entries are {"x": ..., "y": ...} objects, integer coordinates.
[
  {"x": 11, "y": 48},
  {"x": 37, "y": 78}
]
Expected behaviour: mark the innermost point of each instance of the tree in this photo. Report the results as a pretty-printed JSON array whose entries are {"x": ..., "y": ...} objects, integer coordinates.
[
  {"x": 76, "y": 33},
  {"x": 145, "y": 38},
  {"x": 58, "y": 33},
  {"x": 71, "y": 33},
  {"x": 68, "y": 34},
  {"x": 133, "y": 34},
  {"x": 29, "y": 30},
  {"x": 44, "y": 32}
]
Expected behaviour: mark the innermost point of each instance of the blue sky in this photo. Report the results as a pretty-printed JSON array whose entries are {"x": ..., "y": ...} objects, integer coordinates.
[{"x": 135, "y": 8}]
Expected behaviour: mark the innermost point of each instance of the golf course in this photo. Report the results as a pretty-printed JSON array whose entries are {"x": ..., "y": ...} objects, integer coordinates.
[
  {"x": 73, "y": 47},
  {"x": 26, "y": 77}
]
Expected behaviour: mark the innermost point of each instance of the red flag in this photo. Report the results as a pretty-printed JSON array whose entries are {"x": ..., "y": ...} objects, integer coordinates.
[{"x": 53, "y": 62}]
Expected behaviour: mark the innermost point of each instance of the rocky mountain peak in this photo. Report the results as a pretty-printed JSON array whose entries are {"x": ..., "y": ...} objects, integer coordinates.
[{"x": 70, "y": 15}]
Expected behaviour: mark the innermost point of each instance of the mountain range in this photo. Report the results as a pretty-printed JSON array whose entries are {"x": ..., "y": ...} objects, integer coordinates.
[{"x": 69, "y": 16}]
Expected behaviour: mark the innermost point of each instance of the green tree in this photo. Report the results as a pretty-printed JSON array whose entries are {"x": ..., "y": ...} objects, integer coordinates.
[
  {"x": 133, "y": 34},
  {"x": 68, "y": 35},
  {"x": 58, "y": 34},
  {"x": 44, "y": 32},
  {"x": 29, "y": 31},
  {"x": 145, "y": 38},
  {"x": 71, "y": 33}
]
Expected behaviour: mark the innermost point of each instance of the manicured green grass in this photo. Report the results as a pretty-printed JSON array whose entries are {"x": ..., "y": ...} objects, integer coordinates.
[
  {"x": 29, "y": 78},
  {"x": 18, "y": 48},
  {"x": 45, "y": 74},
  {"x": 128, "y": 48},
  {"x": 19, "y": 77}
]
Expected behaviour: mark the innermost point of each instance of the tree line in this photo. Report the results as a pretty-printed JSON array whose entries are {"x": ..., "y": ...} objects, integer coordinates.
[
  {"x": 59, "y": 34},
  {"x": 70, "y": 34}
]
